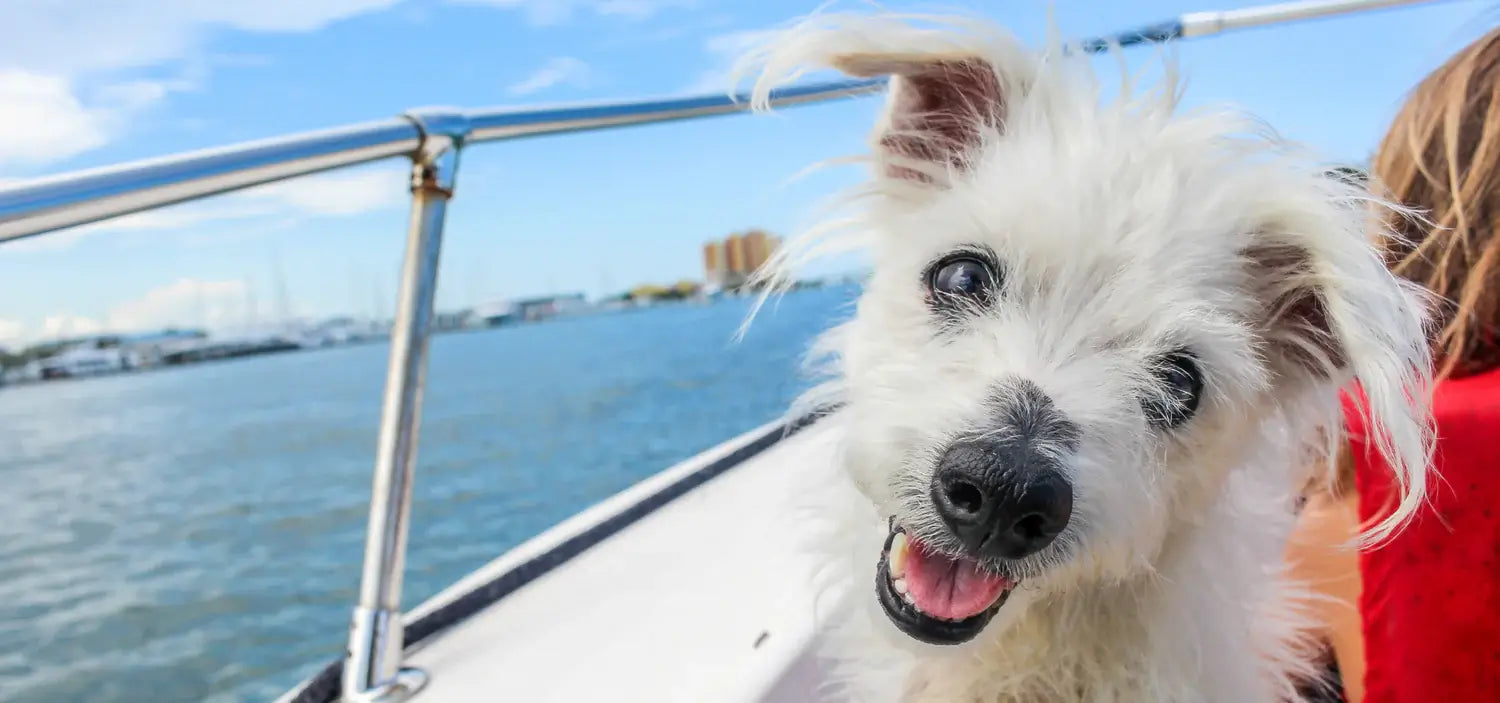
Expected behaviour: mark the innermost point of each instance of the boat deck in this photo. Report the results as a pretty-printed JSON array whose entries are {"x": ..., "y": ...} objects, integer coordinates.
[{"x": 701, "y": 599}]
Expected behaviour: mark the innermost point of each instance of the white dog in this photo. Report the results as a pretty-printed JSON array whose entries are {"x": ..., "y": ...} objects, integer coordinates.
[{"x": 1088, "y": 375}]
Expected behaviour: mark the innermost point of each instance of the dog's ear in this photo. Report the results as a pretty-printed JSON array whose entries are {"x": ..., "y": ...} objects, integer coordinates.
[
  {"x": 1330, "y": 313},
  {"x": 951, "y": 87},
  {"x": 1324, "y": 298},
  {"x": 1292, "y": 309},
  {"x": 939, "y": 111}
]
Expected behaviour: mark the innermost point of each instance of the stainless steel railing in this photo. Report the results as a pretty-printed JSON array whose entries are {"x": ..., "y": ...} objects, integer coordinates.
[
  {"x": 79, "y": 198},
  {"x": 432, "y": 140}
]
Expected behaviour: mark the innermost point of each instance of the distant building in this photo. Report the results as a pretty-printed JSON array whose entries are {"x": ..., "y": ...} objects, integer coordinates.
[
  {"x": 715, "y": 263},
  {"x": 495, "y": 314},
  {"x": 758, "y": 249},
  {"x": 734, "y": 254},
  {"x": 730, "y": 262},
  {"x": 532, "y": 309},
  {"x": 529, "y": 309}
]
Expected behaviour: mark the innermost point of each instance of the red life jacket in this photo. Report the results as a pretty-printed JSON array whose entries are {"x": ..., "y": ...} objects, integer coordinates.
[{"x": 1430, "y": 598}]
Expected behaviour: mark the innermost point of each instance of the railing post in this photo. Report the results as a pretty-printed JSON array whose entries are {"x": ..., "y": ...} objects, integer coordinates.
[{"x": 372, "y": 670}]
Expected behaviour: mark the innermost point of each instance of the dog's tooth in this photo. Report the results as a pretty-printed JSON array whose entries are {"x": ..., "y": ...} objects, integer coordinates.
[
  {"x": 900, "y": 586},
  {"x": 897, "y": 560}
]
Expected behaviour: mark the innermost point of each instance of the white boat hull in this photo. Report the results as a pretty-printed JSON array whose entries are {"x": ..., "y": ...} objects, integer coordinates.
[{"x": 685, "y": 587}]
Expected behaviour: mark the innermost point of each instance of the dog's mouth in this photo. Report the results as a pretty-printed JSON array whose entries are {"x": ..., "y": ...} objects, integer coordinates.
[{"x": 934, "y": 597}]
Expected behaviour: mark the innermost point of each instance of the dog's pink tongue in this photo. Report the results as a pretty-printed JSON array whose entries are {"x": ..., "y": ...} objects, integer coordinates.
[{"x": 949, "y": 588}]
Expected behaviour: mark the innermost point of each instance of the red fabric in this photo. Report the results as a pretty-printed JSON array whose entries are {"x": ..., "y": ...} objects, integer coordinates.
[{"x": 1431, "y": 596}]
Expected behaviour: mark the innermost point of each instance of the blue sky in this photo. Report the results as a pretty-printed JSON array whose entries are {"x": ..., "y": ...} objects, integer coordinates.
[{"x": 93, "y": 82}]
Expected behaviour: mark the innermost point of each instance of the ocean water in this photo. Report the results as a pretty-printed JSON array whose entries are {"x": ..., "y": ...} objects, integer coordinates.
[{"x": 195, "y": 534}]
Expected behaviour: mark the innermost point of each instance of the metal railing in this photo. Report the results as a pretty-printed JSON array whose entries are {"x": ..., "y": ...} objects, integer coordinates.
[
  {"x": 79, "y": 198},
  {"x": 432, "y": 140}
]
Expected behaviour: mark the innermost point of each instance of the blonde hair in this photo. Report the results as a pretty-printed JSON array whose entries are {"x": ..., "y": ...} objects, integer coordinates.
[{"x": 1442, "y": 157}]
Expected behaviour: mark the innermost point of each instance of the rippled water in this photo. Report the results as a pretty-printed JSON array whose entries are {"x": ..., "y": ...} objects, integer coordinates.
[{"x": 195, "y": 534}]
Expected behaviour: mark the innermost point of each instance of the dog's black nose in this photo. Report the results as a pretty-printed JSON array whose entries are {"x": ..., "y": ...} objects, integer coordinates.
[{"x": 1001, "y": 499}]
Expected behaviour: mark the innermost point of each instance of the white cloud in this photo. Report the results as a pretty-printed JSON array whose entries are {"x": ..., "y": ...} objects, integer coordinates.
[
  {"x": 48, "y": 48},
  {"x": 325, "y": 195},
  {"x": 16, "y": 335},
  {"x": 553, "y": 12},
  {"x": 43, "y": 119},
  {"x": 334, "y": 194},
  {"x": 171, "y": 218},
  {"x": 115, "y": 34},
  {"x": 60, "y": 326},
  {"x": 563, "y": 69},
  {"x": 184, "y": 302},
  {"x": 134, "y": 95},
  {"x": 12, "y": 333},
  {"x": 46, "y": 119}
]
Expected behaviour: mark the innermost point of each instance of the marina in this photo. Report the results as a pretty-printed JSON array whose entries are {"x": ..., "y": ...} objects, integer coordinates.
[
  {"x": 121, "y": 353},
  {"x": 193, "y": 530}
]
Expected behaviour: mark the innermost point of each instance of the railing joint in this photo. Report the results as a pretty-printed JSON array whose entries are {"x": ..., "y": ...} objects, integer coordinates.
[{"x": 441, "y": 133}]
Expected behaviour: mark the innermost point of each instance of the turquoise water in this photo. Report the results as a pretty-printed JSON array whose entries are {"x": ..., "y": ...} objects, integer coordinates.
[{"x": 195, "y": 534}]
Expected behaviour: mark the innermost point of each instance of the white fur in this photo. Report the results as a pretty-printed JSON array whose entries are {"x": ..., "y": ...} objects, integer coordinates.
[{"x": 1123, "y": 228}]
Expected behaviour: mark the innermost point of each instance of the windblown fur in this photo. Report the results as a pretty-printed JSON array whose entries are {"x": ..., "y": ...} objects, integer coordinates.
[{"x": 1125, "y": 229}]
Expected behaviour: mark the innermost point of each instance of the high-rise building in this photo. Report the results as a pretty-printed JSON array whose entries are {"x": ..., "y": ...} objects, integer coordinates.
[
  {"x": 757, "y": 250},
  {"x": 734, "y": 247},
  {"x": 727, "y": 263},
  {"x": 714, "y": 264}
]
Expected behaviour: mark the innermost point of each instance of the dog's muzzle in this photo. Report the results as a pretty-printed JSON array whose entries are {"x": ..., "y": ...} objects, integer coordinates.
[
  {"x": 1003, "y": 496},
  {"x": 933, "y": 597},
  {"x": 1001, "y": 499}
]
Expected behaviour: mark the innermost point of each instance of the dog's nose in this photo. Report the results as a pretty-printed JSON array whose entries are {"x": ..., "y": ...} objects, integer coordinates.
[{"x": 1001, "y": 500}]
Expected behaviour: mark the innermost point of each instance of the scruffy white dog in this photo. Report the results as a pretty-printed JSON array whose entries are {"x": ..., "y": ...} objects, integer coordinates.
[{"x": 1088, "y": 374}]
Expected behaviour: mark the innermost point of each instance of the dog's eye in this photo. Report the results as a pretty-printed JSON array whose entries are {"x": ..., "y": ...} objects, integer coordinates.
[
  {"x": 1181, "y": 388},
  {"x": 962, "y": 276}
]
